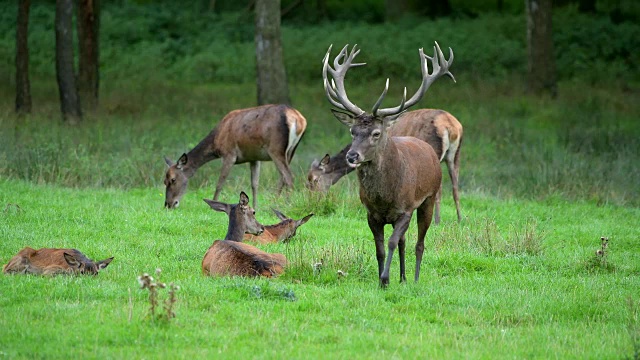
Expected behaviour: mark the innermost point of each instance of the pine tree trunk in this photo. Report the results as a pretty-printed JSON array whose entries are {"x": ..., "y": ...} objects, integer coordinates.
[
  {"x": 541, "y": 75},
  {"x": 88, "y": 40},
  {"x": 271, "y": 74},
  {"x": 69, "y": 102},
  {"x": 23, "y": 87}
]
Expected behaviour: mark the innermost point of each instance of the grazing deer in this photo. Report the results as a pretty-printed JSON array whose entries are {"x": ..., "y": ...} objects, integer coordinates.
[
  {"x": 280, "y": 232},
  {"x": 437, "y": 128},
  {"x": 397, "y": 175},
  {"x": 263, "y": 133},
  {"x": 53, "y": 262},
  {"x": 232, "y": 257}
]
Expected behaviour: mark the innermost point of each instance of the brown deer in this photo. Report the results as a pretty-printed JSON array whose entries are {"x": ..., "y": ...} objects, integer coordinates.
[
  {"x": 397, "y": 175},
  {"x": 280, "y": 232},
  {"x": 234, "y": 258},
  {"x": 47, "y": 261},
  {"x": 263, "y": 133},
  {"x": 438, "y": 128}
]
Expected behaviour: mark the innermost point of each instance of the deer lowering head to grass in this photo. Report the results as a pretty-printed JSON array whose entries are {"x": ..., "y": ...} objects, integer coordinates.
[
  {"x": 397, "y": 175},
  {"x": 263, "y": 133},
  {"x": 47, "y": 261},
  {"x": 231, "y": 257},
  {"x": 280, "y": 232},
  {"x": 437, "y": 128}
]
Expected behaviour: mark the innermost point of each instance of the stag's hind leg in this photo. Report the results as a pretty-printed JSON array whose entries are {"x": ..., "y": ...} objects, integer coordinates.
[
  {"x": 453, "y": 165},
  {"x": 424, "y": 215},
  {"x": 286, "y": 178}
]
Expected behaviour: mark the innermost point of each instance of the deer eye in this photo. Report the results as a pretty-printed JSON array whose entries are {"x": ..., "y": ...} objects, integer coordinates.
[{"x": 376, "y": 134}]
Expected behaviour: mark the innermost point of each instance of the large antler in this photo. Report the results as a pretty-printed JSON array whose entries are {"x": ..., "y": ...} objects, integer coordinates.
[
  {"x": 427, "y": 80},
  {"x": 336, "y": 92}
]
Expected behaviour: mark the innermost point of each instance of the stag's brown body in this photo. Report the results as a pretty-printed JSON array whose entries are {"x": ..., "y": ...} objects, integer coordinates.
[
  {"x": 438, "y": 128},
  {"x": 47, "y": 261},
  {"x": 263, "y": 133},
  {"x": 280, "y": 232},
  {"x": 231, "y": 257},
  {"x": 397, "y": 175}
]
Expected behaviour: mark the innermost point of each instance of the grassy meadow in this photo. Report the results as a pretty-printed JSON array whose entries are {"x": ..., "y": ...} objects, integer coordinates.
[{"x": 541, "y": 181}]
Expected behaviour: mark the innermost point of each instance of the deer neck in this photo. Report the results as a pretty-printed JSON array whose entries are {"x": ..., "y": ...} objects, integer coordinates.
[
  {"x": 380, "y": 176},
  {"x": 340, "y": 167},
  {"x": 235, "y": 231},
  {"x": 202, "y": 153}
]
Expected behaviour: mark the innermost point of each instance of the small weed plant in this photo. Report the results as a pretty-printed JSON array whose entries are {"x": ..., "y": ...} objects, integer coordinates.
[{"x": 167, "y": 313}]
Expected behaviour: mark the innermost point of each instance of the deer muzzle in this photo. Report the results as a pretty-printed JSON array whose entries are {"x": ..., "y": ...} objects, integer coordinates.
[{"x": 353, "y": 158}]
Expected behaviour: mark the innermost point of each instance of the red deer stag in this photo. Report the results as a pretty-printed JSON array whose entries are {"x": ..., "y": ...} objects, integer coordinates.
[
  {"x": 53, "y": 262},
  {"x": 234, "y": 258},
  {"x": 397, "y": 175},
  {"x": 263, "y": 133},
  {"x": 280, "y": 232},
  {"x": 437, "y": 128}
]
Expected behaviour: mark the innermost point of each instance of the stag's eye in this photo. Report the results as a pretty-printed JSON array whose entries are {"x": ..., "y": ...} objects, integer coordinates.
[{"x": 376, "y": 134}]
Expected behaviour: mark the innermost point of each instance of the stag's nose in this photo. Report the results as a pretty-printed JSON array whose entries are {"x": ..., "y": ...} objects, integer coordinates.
[
  {"x": 173, "y": 205},
  {"x": 352, "y": 158}
]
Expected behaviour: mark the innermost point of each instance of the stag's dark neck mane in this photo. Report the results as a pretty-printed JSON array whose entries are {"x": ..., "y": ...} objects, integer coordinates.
[
  {"x": 380, "y": 177},
  {"x": 202, "y": 153}
]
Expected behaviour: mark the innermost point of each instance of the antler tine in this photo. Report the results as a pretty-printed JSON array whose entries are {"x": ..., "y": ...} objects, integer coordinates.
[
  {"x": 427, "y": 79},
  {"x": 336, "y": 92},
  {"x": 384, "y": 93}
]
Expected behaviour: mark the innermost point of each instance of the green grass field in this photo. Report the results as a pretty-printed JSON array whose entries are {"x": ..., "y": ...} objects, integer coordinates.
[{"x": 516, "y": 279}]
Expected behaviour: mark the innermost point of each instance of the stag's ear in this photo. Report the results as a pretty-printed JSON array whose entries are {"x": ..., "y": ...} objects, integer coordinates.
[
  {"x": 244, "y": 199},
  {"x": 218, "y": 206},
  {"x": 390, "y": 120},
  {"x": 280, "y": 215},
  {"x": 104, "y": 263},
  {"x": 325, "y": 160},
  {"x": 304, "y": 219},
  {"x": 168, "y": 161},
  {"x": 71, "y": 260},
  {"x": 344, "y": 118},
  {"x": 182, "y": 161}
]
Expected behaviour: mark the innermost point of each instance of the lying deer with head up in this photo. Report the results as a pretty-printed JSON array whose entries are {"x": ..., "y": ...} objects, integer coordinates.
[
  {"x": 53, "y": 262},
  {"x": 280, "y": 232},
  {"x": 234, "y": 258},
  {"x": 397, "y": 175},
  {"x": 263, "y": 133},
  {"x": 437, "y": 128}
]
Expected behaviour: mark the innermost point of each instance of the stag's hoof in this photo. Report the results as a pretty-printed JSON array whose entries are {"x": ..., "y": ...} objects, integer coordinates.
[{"x": 384, "y": 282}]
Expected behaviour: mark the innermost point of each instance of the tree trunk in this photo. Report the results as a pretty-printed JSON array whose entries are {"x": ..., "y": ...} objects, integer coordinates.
[
  {"x": 88, "y": 75},
  {"x": 69, "y": 102},
  {"x": 23, "y": 87},
  {"x": 541, "y": 60},
  {"x": 271, "y": 74}
]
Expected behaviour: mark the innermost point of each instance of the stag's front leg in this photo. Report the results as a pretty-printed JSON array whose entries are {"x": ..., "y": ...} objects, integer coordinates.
[
  {"x": 377, "y": 229},
  {"x": 227, "y": 163},
  {"x": 255, "y": 177},
  {"x": 399, "y": 228}
]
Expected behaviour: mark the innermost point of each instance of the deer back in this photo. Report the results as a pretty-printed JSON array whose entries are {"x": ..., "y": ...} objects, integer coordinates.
[
  {"x": 48, "y": 261},
  {"x": 232, "y": 258}
]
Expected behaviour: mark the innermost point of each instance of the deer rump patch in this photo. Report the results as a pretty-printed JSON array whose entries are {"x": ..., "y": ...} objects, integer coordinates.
[{"x": 233, "y": 258}]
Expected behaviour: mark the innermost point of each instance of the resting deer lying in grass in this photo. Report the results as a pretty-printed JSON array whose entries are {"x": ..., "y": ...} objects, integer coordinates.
[
  {"x": 437, "y": 128},
  {"x": 53, "y": 262},
  {"x": 234, "y": 258},
  {"x": 263, "y": 133},
  {"x": 397, "y": 175},
  {"x": 280, "y": 232}
]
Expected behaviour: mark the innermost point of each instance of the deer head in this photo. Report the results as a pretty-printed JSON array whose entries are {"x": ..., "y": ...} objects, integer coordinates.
[
  {"x": 369, "y": 130},
  {"x": 81, "y": 264},
  {"x": 242, "y": 217},
  {"x": 316, "y": 181},
  {"x": 176, "y": 181}
]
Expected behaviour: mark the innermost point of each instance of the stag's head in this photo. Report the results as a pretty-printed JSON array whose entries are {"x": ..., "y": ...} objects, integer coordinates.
[
  {"x": 241, "y": 215},
  {"x": 369, "y": 130},
  {"x": 175, "y": 181},
  {"x": 83, "y": 265}
]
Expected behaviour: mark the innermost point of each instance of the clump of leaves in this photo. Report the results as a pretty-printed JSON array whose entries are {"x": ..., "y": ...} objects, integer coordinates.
[{"x": 147, "y": 281}]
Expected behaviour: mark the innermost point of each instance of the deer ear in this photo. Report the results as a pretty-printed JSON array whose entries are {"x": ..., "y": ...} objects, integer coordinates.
[
  {"x": 325, "y": 160},
  {"x": 304, "y": 219},
  {"x": 218, "y": 206},
  {"x": 168, "y": 161},
  {"x": 244, "y": 199},
  {"x": 71, "y": 260},
  {"x": 104, "y": 263},
  {"x": 182, "y": 161},
  {"x": 344, "y": 118},
  {"x": 390, "y": 120},
  {"x": 280, "y": 215}
]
